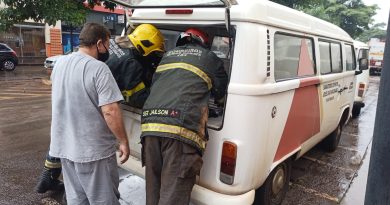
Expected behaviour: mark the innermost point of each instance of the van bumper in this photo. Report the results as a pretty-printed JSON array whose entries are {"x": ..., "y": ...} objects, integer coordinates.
[
  {"x": 358, "y": 104},
  {"x": 199, "y": 195},
  {"x": 203, "y": 196}
]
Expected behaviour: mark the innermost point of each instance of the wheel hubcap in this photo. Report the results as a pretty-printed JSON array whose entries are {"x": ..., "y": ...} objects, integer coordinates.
[
  {"x": 278, "y": 181},
  {"x": 8, "y": 65}
]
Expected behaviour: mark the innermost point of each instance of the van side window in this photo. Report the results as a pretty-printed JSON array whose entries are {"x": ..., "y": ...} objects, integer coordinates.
[
  {"x": 325, "y": 58},
  {"x": 336, "y": 58},
  {"x": 330, "y": 57},
  {"x": 363, "y": 53},
  {"x": 293, "y": 57},
  {"x": 350, "y": 58}
]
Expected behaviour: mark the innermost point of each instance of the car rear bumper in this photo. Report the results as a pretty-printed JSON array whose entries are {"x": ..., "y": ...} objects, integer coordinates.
[{"x": 199, "y": 195}]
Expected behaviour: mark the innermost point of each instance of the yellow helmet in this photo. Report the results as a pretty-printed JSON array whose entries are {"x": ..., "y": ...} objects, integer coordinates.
[{"x": 147, "y": 38}]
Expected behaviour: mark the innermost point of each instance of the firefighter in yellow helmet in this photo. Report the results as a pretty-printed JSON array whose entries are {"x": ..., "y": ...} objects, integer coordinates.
[{"x": 133, "y": 60}]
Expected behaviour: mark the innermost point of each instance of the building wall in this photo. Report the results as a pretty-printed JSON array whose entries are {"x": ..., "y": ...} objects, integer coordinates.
[
  {"x": 27, "y": 40},
  {"x": 55, "y": 46},
  {"x": 53, "y": 39}
]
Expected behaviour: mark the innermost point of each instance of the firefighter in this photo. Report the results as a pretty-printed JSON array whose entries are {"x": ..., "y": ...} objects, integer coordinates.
[
  {"x": 174, "y": 118},
  {"x": 49, "y": 177},
  {"x": 132, "y": 61}
]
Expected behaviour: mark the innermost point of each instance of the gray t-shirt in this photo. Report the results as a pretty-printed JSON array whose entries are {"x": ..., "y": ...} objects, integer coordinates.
[{"x": 80, "y": 86}]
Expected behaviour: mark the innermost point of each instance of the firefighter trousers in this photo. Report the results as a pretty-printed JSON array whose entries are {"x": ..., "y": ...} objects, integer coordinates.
[{"x": 171, "y": 169}]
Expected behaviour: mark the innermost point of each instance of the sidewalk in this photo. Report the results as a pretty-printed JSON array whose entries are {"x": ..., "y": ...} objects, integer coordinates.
[{"x": 357, "y": 191}]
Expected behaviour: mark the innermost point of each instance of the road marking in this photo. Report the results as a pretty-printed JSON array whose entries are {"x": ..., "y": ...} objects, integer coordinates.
[
  {"x": 6, "y": 98},
  {"x": 350, "y": 134},
  {"x": 347, "y": 148},
  {"x": 317, "y": 193},
  {"x": 24, "y": 94},
  {"x": 327, "y": 164}
]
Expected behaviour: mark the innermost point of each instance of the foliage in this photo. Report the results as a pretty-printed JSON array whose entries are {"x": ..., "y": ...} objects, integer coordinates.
[
  {"x": 296, "y": 3},
  {"x": 48, "y": 11},
  {"x": 351, "y": 15},
  {"x": 376, "y": 31}
]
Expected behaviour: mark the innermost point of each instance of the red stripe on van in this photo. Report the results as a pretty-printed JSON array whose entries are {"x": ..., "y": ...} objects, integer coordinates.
[
  {"x": 303, "y": 120},
  {"x": 309, "y": 81},
  {"x": 305, "y": 66}
]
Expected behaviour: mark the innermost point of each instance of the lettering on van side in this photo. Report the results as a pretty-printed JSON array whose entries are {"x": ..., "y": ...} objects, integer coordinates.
[
  {"x": 330, "y": 89},
  {"x": 161, "y": 112},
  {"x": 186, "y": 52}
]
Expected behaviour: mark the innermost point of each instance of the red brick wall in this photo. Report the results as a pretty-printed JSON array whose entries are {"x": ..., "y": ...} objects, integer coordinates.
[{"x": 55, "y": 46}]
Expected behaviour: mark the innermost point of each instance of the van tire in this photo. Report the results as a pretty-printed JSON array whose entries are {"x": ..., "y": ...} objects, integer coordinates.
[
  {"x": 356, "y": 111},
  {"x": 331, "y": 142},
  {"x": 277, "y": 180}
]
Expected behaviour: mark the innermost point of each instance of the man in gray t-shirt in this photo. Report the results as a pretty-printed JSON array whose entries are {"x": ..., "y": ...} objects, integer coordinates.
[{"x": 86, "y": 118}]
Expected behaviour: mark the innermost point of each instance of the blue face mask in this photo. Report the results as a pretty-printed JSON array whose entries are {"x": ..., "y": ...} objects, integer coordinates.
[{"x": 103, "y": 56}]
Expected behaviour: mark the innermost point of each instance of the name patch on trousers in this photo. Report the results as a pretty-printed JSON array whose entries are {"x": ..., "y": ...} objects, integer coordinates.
[{"x": 161, "y": 112}]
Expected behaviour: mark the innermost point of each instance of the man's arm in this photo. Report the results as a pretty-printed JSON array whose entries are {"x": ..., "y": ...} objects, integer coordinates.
[
  {"x": 113, "y": 116},
  {"x": 220, "y": 84}
]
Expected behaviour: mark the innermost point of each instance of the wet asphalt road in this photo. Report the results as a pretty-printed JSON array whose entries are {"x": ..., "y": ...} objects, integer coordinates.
[
  {"x": 24, "y": 134},
  {"x": 317, "y": 178}
]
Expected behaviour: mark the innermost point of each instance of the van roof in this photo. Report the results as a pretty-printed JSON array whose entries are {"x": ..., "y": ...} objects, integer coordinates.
[
  {"x": 255, "y": 11},
  {"x": 270, "y": 13},
  {"x": 359, "y": 44}
]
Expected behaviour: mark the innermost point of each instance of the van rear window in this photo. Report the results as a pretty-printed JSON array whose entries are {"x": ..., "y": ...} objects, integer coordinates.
[
  {"x": 220, "y": 46},
  {"x": 293, "y": 57}
]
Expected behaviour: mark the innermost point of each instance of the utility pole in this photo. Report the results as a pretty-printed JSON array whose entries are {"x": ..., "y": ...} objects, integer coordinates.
[
  {"x": 378, "y": 182},
  {"x": 71, "y": 37}
]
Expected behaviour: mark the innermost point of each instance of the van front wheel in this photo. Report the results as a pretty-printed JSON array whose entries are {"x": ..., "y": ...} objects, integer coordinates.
[{"x": 275, "y": 187}]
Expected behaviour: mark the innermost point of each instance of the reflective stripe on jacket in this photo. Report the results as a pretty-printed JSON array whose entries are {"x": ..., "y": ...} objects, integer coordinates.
[
  {"x": 125, "y": 65},
  {"x": 178, "y": 103}
]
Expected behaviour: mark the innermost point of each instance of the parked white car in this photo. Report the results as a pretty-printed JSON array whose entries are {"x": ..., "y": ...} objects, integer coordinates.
[{"x": 51, "y": 61}]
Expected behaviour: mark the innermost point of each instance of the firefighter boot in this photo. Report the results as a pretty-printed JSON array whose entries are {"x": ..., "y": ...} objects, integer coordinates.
[
  {"x": 49, "y": 177},
  {"x": 49, "y": 181}
]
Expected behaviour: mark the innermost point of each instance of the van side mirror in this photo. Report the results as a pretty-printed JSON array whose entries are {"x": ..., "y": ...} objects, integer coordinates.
[{"x": 363, "y": 64}]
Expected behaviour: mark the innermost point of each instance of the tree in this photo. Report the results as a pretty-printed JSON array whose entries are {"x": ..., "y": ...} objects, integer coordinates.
[
  {"x": 48, "y": 11},
  {"x": 376, "y": 31},
  {"x": 296, "y": 3},
  {"x": 351, "y": 15}
]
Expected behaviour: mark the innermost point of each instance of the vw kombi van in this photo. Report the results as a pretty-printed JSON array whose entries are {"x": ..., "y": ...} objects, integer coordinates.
[
  {"x": 291, "y": 86},
  {"x": 362, "y": 80}
]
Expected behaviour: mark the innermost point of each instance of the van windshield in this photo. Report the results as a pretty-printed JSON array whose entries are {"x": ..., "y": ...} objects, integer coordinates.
[{"x": 175, "y": 3}]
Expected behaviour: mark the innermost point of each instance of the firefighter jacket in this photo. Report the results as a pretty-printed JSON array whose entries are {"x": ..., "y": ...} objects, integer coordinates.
[
  {"x": 177, "y": 106},
  {"x": 126, "y": 66}
]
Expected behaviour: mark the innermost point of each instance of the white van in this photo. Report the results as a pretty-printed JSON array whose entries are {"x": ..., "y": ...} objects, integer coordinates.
[
  {"x": 362, "y": 51},
  {"x": 291, "y": 86}
]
